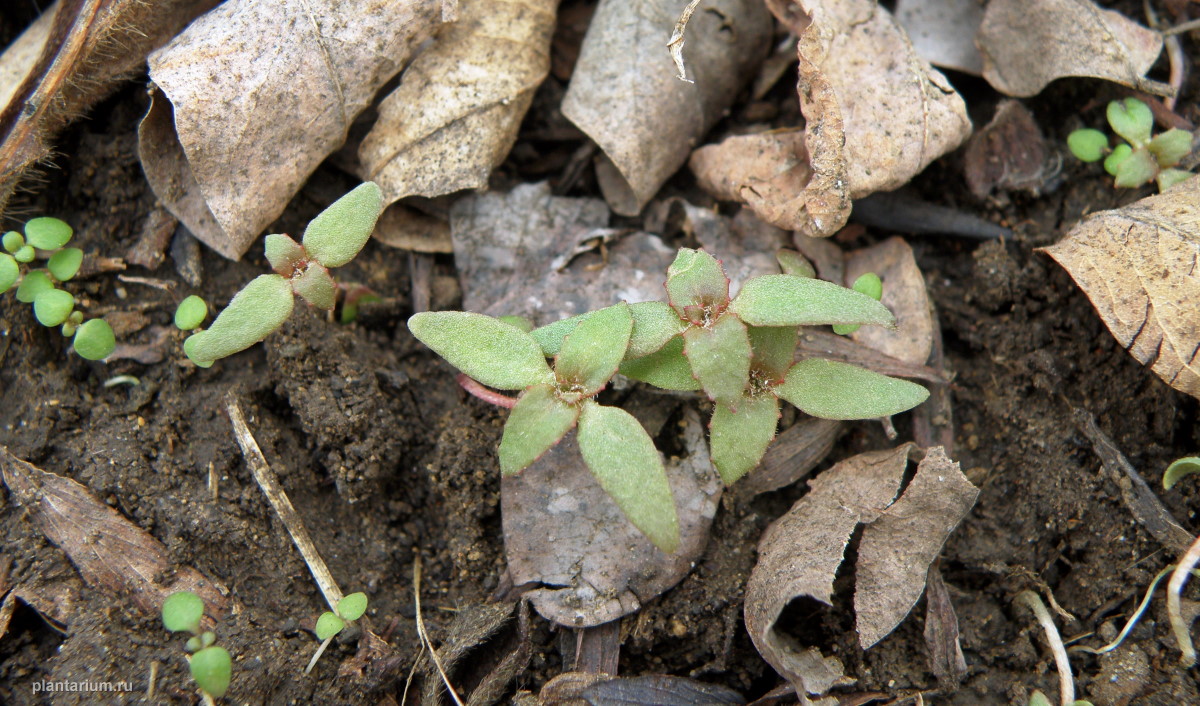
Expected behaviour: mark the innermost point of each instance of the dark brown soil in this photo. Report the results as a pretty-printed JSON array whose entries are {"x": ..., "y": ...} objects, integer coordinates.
[{"x": 386, "y": 459}]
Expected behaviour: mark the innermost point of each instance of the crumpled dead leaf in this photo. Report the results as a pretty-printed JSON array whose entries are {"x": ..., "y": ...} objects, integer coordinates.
[
  {"x": 1026, "y": 44},
  {"x": 253, "y": 96},
  {"x": 409, "y": 229},
  {"x": 624, "y": 93},
  {"x": 111, "y": 553},
  {"x": 800, "y": 553},
  {"x": 86, "y": 48},
  {"x": 456, "y": 113},
  {"x": 1137, "y": 266},
  {"x": 561, "y": 530},
  {"x": 876, "y": 114}
]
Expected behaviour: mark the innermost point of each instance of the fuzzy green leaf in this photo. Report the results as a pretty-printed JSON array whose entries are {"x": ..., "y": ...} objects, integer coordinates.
[
  {"x": 53, "y": 306},
  {"x": 720, "y": 357},
  {"x": 666, "y": 368},
  {"x": 520, "y": 322},
  {"x": 1087, "y": 145},
  {"x": 1177, "y": 470},
  {"x": 94, "y": 340},
  {"x": 621, "y": 456},
  {"x": 795, "y": 264},
  {"x": 869, "y": 284},
  {"x": 284, "y": 253},
  {"x": 181, "y": 611},
  {"x": 353, "y": 606},
  {"x": 1170, "y": 177},
  {"x": 654, "y": 323},
  {"x": 33, "y": 284},
  {"x": 486, "y": 349},
  {"x": 1131, "y": 118},
  {"x": 316, "y": 286},
  {"x": 738, "y": 440},
  {"x": 13, "y": 241},
  {"x": 258, "y": 309},
  {"x": 773, "y": 349},
  {"x": 336, "y": 235},
  {"x": 1116, "y": 158},
  {"x": 1171, "y": 146},
  {"x": 1139, "y": 168},
  {"x": 328, "y": 625},
  {"x": 65, "y": 263},
  {"x": 787, "y": 300},
  {"x": 592, "y": 351},
  {"x": 550, "y": 337},
  {"x": 190, "y": 313},
  {"x": 212, "y": 668},
  {"x": 833, "y": 390},
  {"x": 537, "y": 422},
  {"x": 9, "y": 272},
  {"x": 695, "y": 280},
  {"x": 47, "y": 233}
]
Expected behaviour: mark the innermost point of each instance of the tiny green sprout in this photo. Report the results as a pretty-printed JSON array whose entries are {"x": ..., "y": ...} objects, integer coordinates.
[
  {"x": 53, "y": 306},
  {"x": 1179, "y": 469},
  {"x": 1131, "y": 119},
  {"x": 793, "y": 263},
  {"x": 329, "y": 624},
  {"x": 33, "y": 284},
  {"x": 210, "y": 665},
  {"x": 332, "y": 239},
  {"x": 870, "y": 285},
  {"x": 47, "y": 233},
  {"x": 94, "y": 340},
  {"x": 10, "y": 271},
  {"x": 13, "y": 241},
  {"x": 65, "y": 263},
  {"x": 1144, "y": 158},
  {"x": 1088, "y": 145},
  {"x": 182, "y": 611},
  {"x": 353, "y": 606},
  {"x": 212, "y": 668},
  {"x": 25, "y": 254},
  {"x": 1116, "y": 158},
  {"x": 190, "y": 313}
]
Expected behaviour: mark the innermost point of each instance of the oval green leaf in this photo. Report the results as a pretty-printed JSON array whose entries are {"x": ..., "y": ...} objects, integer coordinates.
[
  {"x": 25, "y": 253},
  {"x": 190, "y": 313},
  {"x": 1087, "y": 145},
  {"x": 696, "y": 279},
  {"x": 1118, "y": 156},
  {"x": 13, "y": 241},
  {"x": 181, "y": 611},
  {"x": 353, "y": 606},
  {"x": 65, "y": 263},
  {"x": 328, "y": 625},
  {"x": 285, "y": 255},
  {"x": 1171, "y": 146},
  {"x": 654, "y": 323},
  {"x": 47, "y": 233},
  {"x": 621, "y": 456},
  {"x": 486, "y": 349},
  {"x": 720, "y": 357},
  {"x": 833, "y": 390},
  {"x": 53, "y": 306},
  {"x": 1177, "y": 470},
  {"x": 33, "y": 284},
  {"x": 94, "y": 340},
  {"x": 795, "y": 264},
  {"x": 787, "y": 300},
  {"x": 212, "y": 668},
  {"x": 591, "y": 353},
  {"x": 1170, "y": 177},
  {"x": 9, "y": 272},
  {"x": 666, "y": 368},
  {"x": 336, "y": 235},
  {"x": 1131, "y": 118},
  {"x": 537, "y": 422},
  {"x": 261, "y": 307},
  {"x": 773, "y": 349},
  {"x": 739, "y": 439}
]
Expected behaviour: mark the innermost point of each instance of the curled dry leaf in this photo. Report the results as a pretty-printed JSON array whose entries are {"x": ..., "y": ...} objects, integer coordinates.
[
  {"x": 562, "y": 531},
  {"x": 82, "y": 50},
  {"x": 1137, "y": 266},
  {"x": 456, "y": 113},
  {"x": 253, "y": 96},
  {"x": 625, "y": 95},
  {"x": 1026, "y": 44},
  {"x": 111, "y": 553}
]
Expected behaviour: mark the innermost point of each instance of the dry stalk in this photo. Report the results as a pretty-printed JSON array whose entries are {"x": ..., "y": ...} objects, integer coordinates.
[
  {"x": 1174, "y": 611},
  {"x": 425, "y": 643},
  {"x": 1066, "y": 680}
]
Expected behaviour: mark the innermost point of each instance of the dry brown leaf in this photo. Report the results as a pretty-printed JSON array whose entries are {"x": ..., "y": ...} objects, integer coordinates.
[
  {"x": 904, "y": 294},
  {"x": 625, "y": 95},
  {"x": 800, "y": 553},
  {"x": 1026, "y": 44},
  {"x": 771, "y": 167},
  {"x": 456, "y": 113},
  {"x": 259, "y": 94},
  {"x": 91, "y": 46},
  {"x": 1010, "y": 153},
  {"x": 111, "y": 553},
  {"x": 563, "y": 532},
  {"x": 943, "y": 31},
  {"x": 898, "y": 547},
  {"x": 20, "y": 57},
  {"x": 946, "y": 659},
  {"x": 1137, "y": 265},
  {"x": 409, "y": 229}
]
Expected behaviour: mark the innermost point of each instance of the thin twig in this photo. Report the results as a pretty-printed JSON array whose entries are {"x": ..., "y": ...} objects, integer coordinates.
[
  {"x": 425, "y": 636},
  {"x": 675, "y": 46},
  {"x": 1175, "y": 57},
  {"x": 1066, "y": 680},
  {"x": 1174, "y": 610},
  {"x": 269, "y": 483},
  {"x": 483, "y": 393}
]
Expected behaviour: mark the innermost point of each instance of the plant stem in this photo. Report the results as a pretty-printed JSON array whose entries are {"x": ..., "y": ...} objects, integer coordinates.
[
  {"x": 320, "y": 651},
  {"x": 484, "y": 393},
  {"x": 1066, "y": 680},
  {"x": 1174, "y": 588}
]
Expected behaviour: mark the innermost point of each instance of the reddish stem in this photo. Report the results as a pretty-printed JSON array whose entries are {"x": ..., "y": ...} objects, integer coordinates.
[{"x": 484, "y": 393}]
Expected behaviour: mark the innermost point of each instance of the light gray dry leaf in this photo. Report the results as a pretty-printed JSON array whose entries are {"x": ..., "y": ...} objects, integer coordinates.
[
  {"x": 1137, "y": 265},
  {"x": 111, "y": 553},
  {"x": 943, "y": 31},
  {"x": 19, "y": 57},
  {"x": 409, "y": 229},
  {"x": 563, "y": 532},
  {"x": 765, "y": 168},
  {"x": 800, "y": 553},
  {"x": 456, "y": 113},
  {"x": 898, "y": 547},
  {"x": 624, "y": 93},
  {"x": 259, "y": 94},
  {"x": 1026, "y": 44},
  {"x": 904, "y": 294}
]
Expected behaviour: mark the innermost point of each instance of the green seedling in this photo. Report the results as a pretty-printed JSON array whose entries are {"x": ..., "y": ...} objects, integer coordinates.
[
  {"x": 1037, "y": 698},
  {"x": 210, "y": 664},
  {"x": 1143, "y": 157},
  {"x": 190, "y": 313},
  {"x": 94, "y": 339},
  {"x": 739, "y": 351},
  {"x": 332, "y": 239},
  {"x": 329, "y": 624}
]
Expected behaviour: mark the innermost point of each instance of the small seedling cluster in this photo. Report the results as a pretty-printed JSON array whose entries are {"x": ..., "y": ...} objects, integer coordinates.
[
  {"x": 739, "y": 351},
  {"x": 332, "y": 239},
  {"x": 1037, "y": 698},
  {"x": 210, "y": 664},
  {"x": 1142, "y": 158},
  {"x": 329, "y": 624},
  {"x": 46, "y": 238}
]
